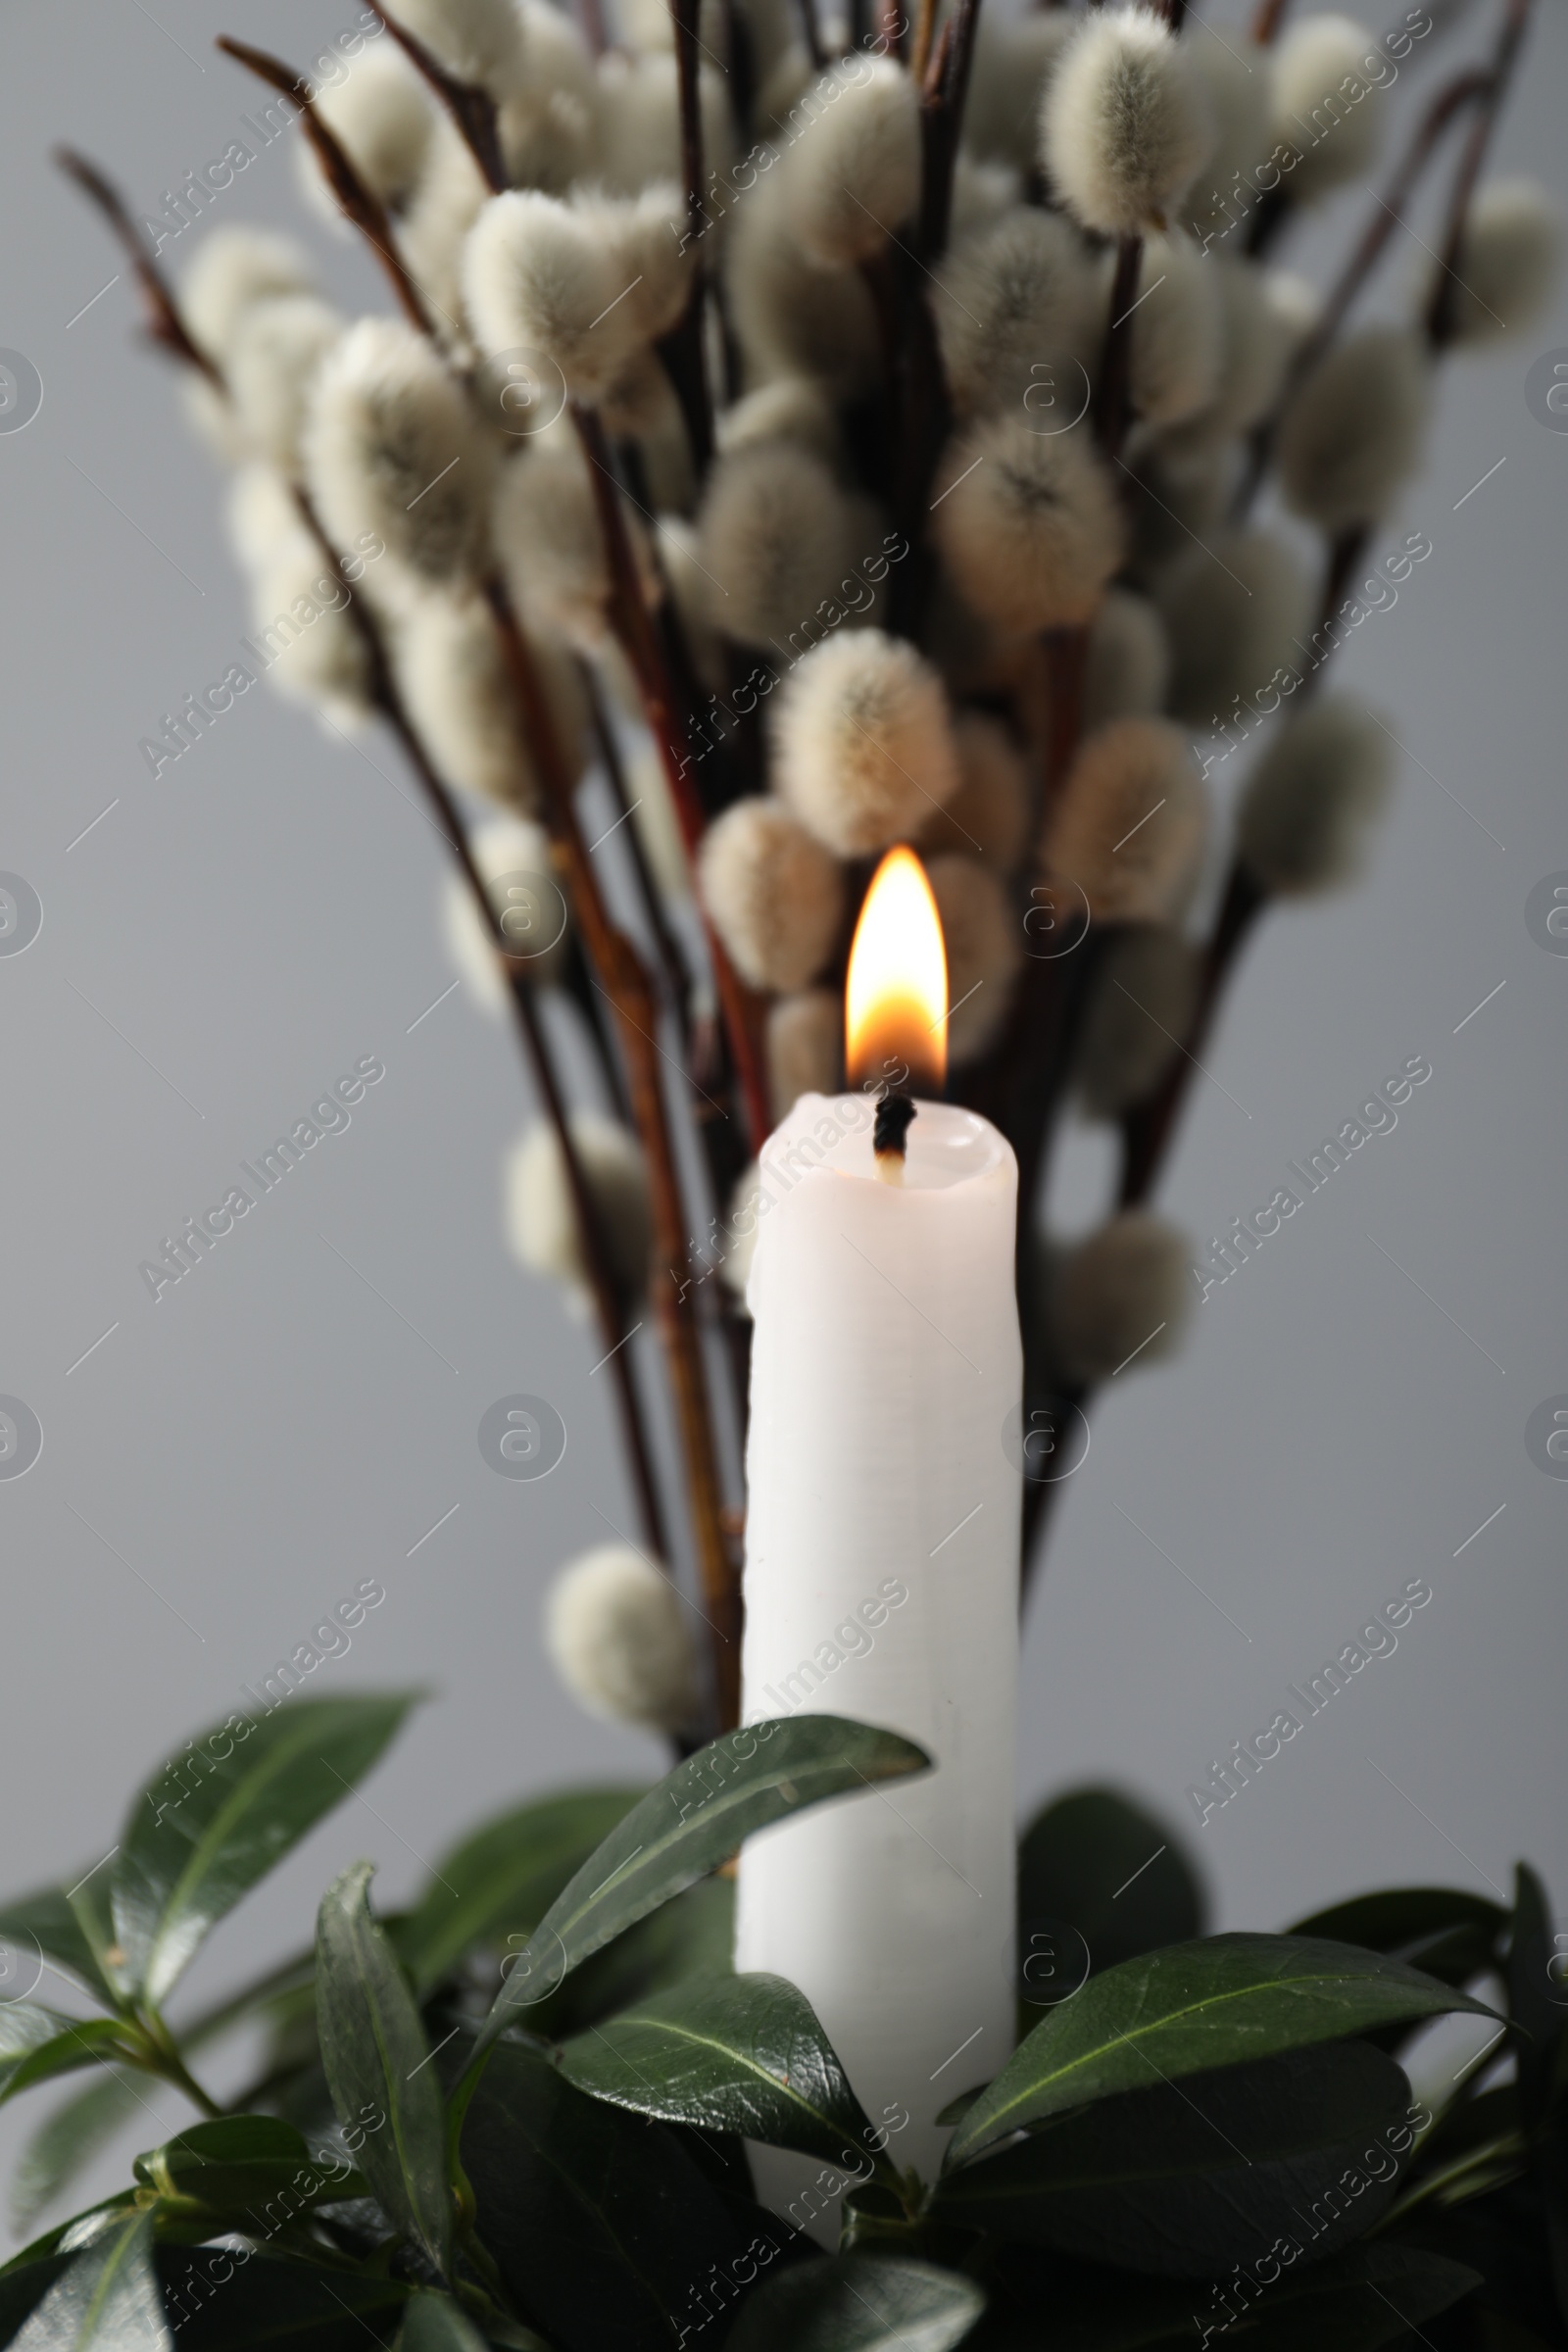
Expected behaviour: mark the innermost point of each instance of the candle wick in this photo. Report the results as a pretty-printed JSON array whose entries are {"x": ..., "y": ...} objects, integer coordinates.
[{"x": 894, "y": 1113}]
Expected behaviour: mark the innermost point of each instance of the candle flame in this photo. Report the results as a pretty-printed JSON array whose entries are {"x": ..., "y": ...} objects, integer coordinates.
[{"x": 895, "y": 1008}]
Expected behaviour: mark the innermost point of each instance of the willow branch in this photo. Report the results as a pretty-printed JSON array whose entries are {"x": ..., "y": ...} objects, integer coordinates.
[
  {"x": 165, "y": 324},
  {"x": 359, "y": 203},
  {"x": 672, "y": 962},
  {"x": 1439, "y": 317},
  {"x": 638, "y": 640},
  {"x": 686, "y": 359},
  {"x": 167, "y": 328},
  {"x": 631, "y": 996},
  {"x": 472, "y": 109},
  {"x": 1112, "y": 404}
]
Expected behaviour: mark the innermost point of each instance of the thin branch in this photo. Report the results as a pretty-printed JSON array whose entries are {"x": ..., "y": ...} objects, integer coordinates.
[
  {"x": 672, "y": 962},
  {"x": 472, "y": 109},
  {"x": 1440, "y": 310},
  {"x": 165, "y": 324},
  {"x": 361, "y": 204},
  {"x": 1112, "y": 407},
  {"x": 1267, "y": 21},
  {"x": 687, "y": 358},
  {"x": 626, "y": 984}
]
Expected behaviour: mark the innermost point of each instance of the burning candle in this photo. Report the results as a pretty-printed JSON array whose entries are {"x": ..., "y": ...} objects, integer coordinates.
[{"x": 882, "y": 1539}]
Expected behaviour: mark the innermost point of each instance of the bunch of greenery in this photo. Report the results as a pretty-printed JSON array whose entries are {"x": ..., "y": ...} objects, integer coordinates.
[{"x": 1208, "y": 2136}]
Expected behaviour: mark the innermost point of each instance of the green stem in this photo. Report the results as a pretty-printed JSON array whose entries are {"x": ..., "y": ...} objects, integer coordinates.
[{"x": 164, "y": 2059}]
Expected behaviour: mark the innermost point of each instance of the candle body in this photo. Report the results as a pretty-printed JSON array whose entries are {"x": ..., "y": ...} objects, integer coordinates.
[{"x": 882, "y": 1583}]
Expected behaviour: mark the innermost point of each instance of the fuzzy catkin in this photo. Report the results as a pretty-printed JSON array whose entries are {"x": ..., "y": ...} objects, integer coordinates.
[
  {"x": 1140, "y": 1007},
  {"x": 805, "y": 1048},
  {"x": 863, "y": 748},
  {"x": 788, "y": 316},
  {"x": 1027, "y": 523},
  {"x": 1355, "y": 433},
  {"x": 637, "y": 117},
  {"x": 987, "y": 815},
  {"x": 1124, "y": 122},
  {"x": 773, "y": 894},
  {"x": 381, "y": 118},
  {"x": 1019, "y": 318},
  {"x": 853, "y": 177},
  {"x": 453, "y": 675},
  {"x": 537, "y": 278},
  {"x": 512, "y": 858},
  {"x": 1223, "y": 193},
  {"x": 617, "y": 1636},
  {"x": 1316, "y": 794},
  {"x": 551, "y": 547},
  {"x": 1236, "y": 613},
  {"x": 298, "y": 605},
  {"x": 392, "y": 447},
  {"x": 983, "y": 944},
  {"x": 1122, "y": 1293},
  {"x": 1326, "y": 114},
  {"x": 1128, "y": 668},
  {"x": 775, "y": 538},
  {"x": 1257, "y": 337},
  {"x": 1177, "y": 329},
  {"x": 645, "y": 235},
  {"x": 541, "y": 1218},
  {"x": 791, "y": 408},
  {"x": 1509, "y": 259},
  {"x": 234, "y": 270},
  {"x": 1129, "y": 826},
  {"x": 275, "y": 353}
]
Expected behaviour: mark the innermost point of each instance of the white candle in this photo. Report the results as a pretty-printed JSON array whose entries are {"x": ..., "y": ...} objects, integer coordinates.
[{"x": 882, "y": 1583}]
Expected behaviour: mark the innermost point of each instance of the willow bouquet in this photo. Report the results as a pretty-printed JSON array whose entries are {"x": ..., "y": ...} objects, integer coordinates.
[{"x": 810, "y": 439}]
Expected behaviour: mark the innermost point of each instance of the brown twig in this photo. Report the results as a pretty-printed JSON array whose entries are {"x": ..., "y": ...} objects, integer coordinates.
[
  {"x": 361, "y": 206},
  {"x": 625, "y": 983},
  {"x": 1146, "y": 1131},
  {"x": 168, "y": 328},
  {"x": 165, "y": 324},
  {"x": 634, "y": 630},
  {"x": 687, "y": 358},
  {"x": 1112, "y": 401},
  {"x": 1441, "y": 309},
  {"x": 1267, "y": 21},
  {"x": 472, "y": 109},
  {"x": 672, "y": 962}
]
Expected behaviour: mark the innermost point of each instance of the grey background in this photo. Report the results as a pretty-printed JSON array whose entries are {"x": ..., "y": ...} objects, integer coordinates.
[{"x": 229, "y": 1463}]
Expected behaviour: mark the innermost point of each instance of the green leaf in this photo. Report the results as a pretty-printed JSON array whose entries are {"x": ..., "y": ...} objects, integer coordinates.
[
  {"x": 1184, "y": 2183},
  {"x": 226, "y": 2300},
  {"x": 1095, "y": 1861},
  {"x": 693, "y": 1935},
  {"x": 1535, "y": 1996},
  {"x": 46, "y": 1926},
  {"x": 378, "y": 2068},
  {"x": 859, "y": 2303},
  {"x": 240, "y": 2163},
  {"x": 109, "y": 2298},
  {"x": 1191, "y": 2009},
  {"x": 603, "y": 2231},
  {"x": 696, "y": 1817},
  {"x": 436, "y": 2324},
  {"x": 36, "y": 2044},
  {"x": 504, "y": 1877},
  {"x": 1442, "y": 1930},
  {"x": 67, "y": 2139},
  {"x": 210, "y": 1825},
  {"x": 744, "y": 2054}
]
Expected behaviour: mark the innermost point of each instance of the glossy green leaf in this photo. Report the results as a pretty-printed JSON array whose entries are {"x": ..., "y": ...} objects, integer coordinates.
[
  {"x": 1535, "y": 1995},
  {"x": 437, "y": 2324},
  {"x": 1442, "y": 1930},
  {"x": 67, "y": 2139},
  {"x": 504, "y": 1877},
  {"x": 46, "y": 1926},
  {"x": 1191, "y": 2009},
  {"x": 1182, "y": 2183},
  {"x": 36, "y": 2044},
  {"x": 378, "y": 2060},
  {"x": 107, "y": 2301},
  {"x": 603, "y": 2231},
  {"x": 695, "y": 1818},
  {"x": 222, "y": 2300},
  {"x": 248, "y": 2164},
  {"x": 693, "y": 1935},
  {"x": 859, "y": 2303},
  {"x": 202, "y": 1833},
  {"x": 1096, "y": 1862},
  {"x": 744, "y": 2054}
]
